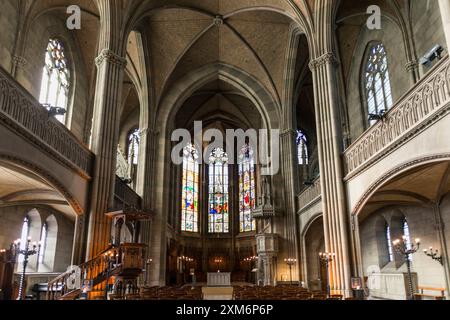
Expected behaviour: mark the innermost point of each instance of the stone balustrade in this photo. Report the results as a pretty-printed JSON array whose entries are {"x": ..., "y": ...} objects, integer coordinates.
[
  {"x": 24, "y": 114},
  {"x": 309, "y": 194},
  {"x": 422, "y": 105}
]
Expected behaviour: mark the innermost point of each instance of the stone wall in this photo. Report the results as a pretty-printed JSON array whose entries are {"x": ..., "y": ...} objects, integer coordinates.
[
  {"x": 58, "y": 252},
  {"x": 29, "y": 75},
  {"x": 421, "y": 225}
]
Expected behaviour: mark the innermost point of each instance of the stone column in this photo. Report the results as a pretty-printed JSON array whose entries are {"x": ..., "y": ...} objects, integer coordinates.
[
  {"x": 331, "y": 173},
  {"x": 105, "y": 136},
  {"x": 145, "y": 184},
  {"x": 290, "y": 174},
  {"x": 444, "y": 6}
]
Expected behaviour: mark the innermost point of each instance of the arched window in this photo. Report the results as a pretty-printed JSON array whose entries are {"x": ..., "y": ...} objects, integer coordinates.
[
  {"x": 218, "y": 215},
  {"x": 389, "y": 243},
  {"x": 55, "y": 83},
  {"x": 43, "y": 242},
  {"x": 407, "y": 237},
  {"x": 189, "y": 205},
  {"x": 24, "y": 235},
  {"x": 246, "y": 189},
  {"x": 302, "y": 147},
  {"x": 377, "y": 81},
  {"x": 134, "y": 140}
]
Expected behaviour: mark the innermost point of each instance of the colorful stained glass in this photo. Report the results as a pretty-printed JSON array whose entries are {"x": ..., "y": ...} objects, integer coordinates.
[
  {"x": 189, "y": 205},
  {"x": 218, "y": 215},
  {"x": 247, "y": 195}
]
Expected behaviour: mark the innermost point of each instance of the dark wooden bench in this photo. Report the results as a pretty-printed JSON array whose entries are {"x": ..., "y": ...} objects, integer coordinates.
[{"x": 421, "y": 294}]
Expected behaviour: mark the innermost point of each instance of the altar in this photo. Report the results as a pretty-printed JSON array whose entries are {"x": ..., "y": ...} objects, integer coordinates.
[{"x": 219, "y": 279}]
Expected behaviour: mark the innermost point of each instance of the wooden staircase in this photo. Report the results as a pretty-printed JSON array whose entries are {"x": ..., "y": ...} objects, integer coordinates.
[{"x": 123, "y": 263}]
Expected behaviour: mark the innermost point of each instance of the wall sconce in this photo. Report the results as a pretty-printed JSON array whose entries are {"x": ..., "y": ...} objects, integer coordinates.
[{"x": 434, "y": 254}]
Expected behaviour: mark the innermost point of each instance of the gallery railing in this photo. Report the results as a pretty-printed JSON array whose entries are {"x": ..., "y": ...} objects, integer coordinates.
[
  {"x": 309, "y": 194},
  {"x": 423, "y": 104},
  {"x": 20, "y": 111}
]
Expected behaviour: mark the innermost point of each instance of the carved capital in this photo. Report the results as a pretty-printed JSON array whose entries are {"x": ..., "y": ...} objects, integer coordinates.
[
  {"x": 411, "y": 65},
  {"x": 218, "y": 21},
  {"x": 20, "y": 61},
  {"x": 111, "y": 57},
  {"x": 327, "y": 58}
]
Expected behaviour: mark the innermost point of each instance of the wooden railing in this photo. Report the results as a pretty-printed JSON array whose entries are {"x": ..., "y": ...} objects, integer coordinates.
[
  {"x": 125, "y": 196},
  {"x": 422, "y": 104},
  {"x": 26, "y": 116},
  {"x": 309, "y": 194},
  {"x": 128, "y": 258}
]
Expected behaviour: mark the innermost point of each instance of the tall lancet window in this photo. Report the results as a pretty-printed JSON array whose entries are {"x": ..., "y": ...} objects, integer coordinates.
[
  {"x": 218, "y": 215},
  {"x": 377, "y": 81},
  {"x": 407, "y": 237},
  {"x": 55, "y": 83},
  {"x": 43, "y": 242},
  {"x": 302, "y": 147},
  {"x": 189, "y": 205},
  {"x": 24, "y": 235},
  {"x": 389, "y": 243},
  {"x": 134, "y": 140},
  {"x": 246, "y": 189}
]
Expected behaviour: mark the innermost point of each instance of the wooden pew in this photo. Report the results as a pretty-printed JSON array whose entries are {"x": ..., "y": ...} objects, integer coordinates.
[{"x": 421, "y": 294}]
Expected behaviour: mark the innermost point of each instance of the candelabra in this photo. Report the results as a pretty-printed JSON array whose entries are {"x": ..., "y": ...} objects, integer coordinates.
[
  {"x": 290, "y": 262},
  {"x": 111, "y": 258},
  {"x": 27, "y": 252},
  {"x": 186, "y": 264},
  {"x": 404, "y": 248},
  {"x": 434, "y": 254},
  {"x": 325, "y": 259},
  {"x": 218, "y": 261},
  {"x": 250, "y": 261}
]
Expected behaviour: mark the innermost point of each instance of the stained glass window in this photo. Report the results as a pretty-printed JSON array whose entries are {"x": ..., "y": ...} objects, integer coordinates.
[
  {"x": 378, "y": 84},
  {"x": 43, "y": 243},
  {"x": 389, "y": 243},
  {"x": 189, "y": 206},
  {"x": 302, "y": 147},
  {"x": 133, "y": 147},
  {"x": 55, "y": 78},
  {"x": 246, "y": 189},
  {"x": 407, "y": 237},
  {"x": 218, "y": 215}
]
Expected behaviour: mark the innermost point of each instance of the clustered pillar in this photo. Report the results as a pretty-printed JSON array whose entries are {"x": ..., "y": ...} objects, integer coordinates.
[
  {"x": 329, "y": 149},
  {"x": 105, "y": 133},
  {"x": 290, "y": 182}
]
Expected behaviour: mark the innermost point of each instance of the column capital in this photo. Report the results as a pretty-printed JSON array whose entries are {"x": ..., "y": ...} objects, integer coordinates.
[
  {"x": 326, "y": 58},
  {"x": 288, "y": 132},
  {"x": 19, "y": 61},
  {"x": 411, "y": 65},
  {"x": 111, "y": 57}
]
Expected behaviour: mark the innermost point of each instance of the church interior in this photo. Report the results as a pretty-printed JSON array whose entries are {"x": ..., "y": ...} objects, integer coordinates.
[{"x": 349, "y": 200}]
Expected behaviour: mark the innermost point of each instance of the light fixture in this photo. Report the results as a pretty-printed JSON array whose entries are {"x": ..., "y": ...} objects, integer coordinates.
[
  {"x": 402, "y": 247},
  {"x": 377, "y": 116},
  {"x": 430, "y": 56},
  {"x": 54, "y": 111},
  {"x": 434, "y": 254},
  {"x": 325, "y": 259}
]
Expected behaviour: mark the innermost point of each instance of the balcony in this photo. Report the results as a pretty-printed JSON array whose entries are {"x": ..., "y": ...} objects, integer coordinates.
[
  {"x": 22, "y": 114},
  {"x": 309, "y": 195},
  {"x": 125, "y": 197},
  {"x": 423, "y": 105}
]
